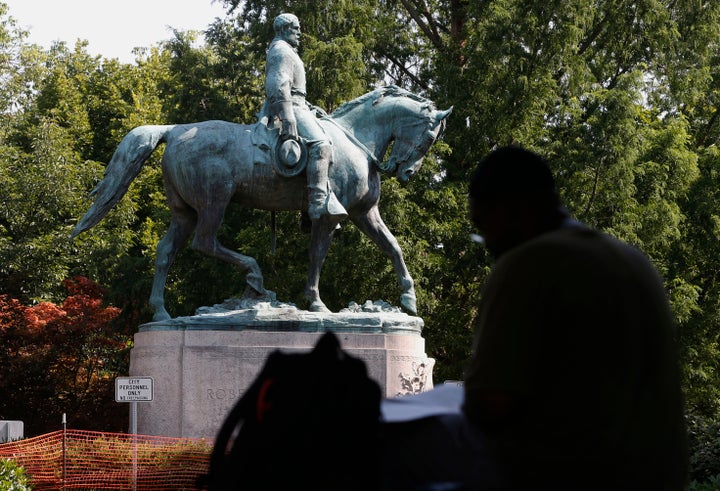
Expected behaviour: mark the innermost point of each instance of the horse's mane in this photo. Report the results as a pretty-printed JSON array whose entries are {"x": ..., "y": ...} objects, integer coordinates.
[{"x": 376, "y": 95}]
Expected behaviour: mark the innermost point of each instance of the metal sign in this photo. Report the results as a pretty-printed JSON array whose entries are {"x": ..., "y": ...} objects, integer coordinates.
[{"x": 133, "y": 389}]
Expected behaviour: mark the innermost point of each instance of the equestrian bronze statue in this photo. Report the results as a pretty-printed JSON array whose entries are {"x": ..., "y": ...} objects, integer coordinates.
[{"x": 207, "y": 165}]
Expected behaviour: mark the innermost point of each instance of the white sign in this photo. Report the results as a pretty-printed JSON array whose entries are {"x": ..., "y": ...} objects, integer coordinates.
[{"x": 133, "y": 389}]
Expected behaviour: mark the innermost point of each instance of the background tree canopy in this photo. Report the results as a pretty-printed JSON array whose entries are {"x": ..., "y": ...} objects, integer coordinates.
[{"x": 621, "y": 96}]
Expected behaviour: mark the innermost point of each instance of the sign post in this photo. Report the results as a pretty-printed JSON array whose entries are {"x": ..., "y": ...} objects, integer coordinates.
[{"x": 134, "y": 390}]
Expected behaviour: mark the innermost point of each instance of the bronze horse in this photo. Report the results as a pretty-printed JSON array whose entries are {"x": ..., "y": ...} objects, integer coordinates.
[{"x": 207, "y": 165}]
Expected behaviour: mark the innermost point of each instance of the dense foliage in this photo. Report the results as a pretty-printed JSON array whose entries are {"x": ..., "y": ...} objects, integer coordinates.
[
  {"x": 61, "y": 359},
  {"x": 621, "y": 95},
  {"x": 13, "y": 477},
  {"x": 704, "y": 439}
]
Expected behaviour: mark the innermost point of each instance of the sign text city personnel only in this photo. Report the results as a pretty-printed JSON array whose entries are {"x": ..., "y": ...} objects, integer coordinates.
[{"x": 133, "y": 389}]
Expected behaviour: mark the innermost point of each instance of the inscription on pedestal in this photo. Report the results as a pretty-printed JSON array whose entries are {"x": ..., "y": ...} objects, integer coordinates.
[
  {"x": 223, "y": 394},
  {"x": 200, "y": 373}
]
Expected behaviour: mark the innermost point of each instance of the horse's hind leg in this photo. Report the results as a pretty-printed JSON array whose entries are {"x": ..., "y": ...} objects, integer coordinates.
[
  {"x": 373, "y": 226},
  {"x": 181, "y": 226},
  {"x": 208, "y": 224}
]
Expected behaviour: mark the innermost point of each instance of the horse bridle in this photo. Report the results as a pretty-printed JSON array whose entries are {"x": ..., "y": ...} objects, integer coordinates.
[
  {"x": 418, "y": 149},
  {"x": 353, "y": 138},
  {"x": 383, "y": 166}
]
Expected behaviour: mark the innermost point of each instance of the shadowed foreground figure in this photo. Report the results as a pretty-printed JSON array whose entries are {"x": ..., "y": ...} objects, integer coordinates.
[
  {"x": 573, "y": 382},
  {"x": 310, "y": 421}
]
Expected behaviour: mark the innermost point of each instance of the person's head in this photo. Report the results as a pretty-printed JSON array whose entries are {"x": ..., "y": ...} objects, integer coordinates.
[
  {"x": 287, "y": 27},
  {"x": 512, "y": 198}
]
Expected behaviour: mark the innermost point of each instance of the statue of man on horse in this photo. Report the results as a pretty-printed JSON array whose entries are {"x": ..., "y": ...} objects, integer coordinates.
[
  {"x": 285, "y": 92},
  {"x": 206, "y": 165}
]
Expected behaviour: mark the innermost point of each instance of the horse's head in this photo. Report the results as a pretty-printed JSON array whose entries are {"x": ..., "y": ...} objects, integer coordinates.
[
  {"x": 415, "y": 130},
  {"x": 391, "y": 114}
]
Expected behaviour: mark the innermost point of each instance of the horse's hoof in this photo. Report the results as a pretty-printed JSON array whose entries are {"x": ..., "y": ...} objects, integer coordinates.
[
  {"x": 251, "y": 293},
  {"x": 161, "y": 315},
  {"x": 318, "y": 306},
  {"x": 254, "y": 281},
  {"x": 409, "y": 303}
]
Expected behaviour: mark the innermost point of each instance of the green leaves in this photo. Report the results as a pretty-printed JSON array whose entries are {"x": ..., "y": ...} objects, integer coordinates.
[
  {"x": 41, "y": 194},
  {"x": 13, "y": 476},
  {"x": 61, "y": 357},
  {"x": 622, "y": 96}
]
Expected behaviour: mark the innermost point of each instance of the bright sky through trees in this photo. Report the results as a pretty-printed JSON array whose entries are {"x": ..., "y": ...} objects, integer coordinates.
[{"x": 113, "y": 28}]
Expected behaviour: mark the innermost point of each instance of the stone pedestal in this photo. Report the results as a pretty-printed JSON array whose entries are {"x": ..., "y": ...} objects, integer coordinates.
[{"x": 200, "y": 365}]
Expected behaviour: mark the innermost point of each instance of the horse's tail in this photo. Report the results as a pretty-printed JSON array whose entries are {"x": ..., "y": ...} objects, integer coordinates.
[{"x": 125, "y": 165}]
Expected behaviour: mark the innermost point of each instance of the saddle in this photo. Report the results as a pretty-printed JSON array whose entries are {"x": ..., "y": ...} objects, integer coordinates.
[{"x": 288, "y": 157}]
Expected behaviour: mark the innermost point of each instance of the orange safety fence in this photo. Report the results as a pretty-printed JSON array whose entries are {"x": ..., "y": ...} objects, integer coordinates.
[{"x": 76, "y": 459}]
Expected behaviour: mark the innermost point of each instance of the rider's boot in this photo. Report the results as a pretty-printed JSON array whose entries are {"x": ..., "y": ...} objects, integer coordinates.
[{"x": 321, "y": 199}]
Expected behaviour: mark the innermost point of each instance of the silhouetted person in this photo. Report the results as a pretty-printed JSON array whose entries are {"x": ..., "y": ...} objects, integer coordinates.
[{"x": 573, "y": 381}]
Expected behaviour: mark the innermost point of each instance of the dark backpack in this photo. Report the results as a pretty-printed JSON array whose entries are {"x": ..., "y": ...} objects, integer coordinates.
[{"x": 308, "y": 421}]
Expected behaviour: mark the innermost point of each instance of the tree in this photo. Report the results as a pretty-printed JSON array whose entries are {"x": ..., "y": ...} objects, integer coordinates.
[
  {"x": 40, "y": 195},
  {"x": 610, "y": 91},
  {"x": 621, "y": 95},
  {"x": 62, "y": 358},
  {"x": 12, "y": 70}
]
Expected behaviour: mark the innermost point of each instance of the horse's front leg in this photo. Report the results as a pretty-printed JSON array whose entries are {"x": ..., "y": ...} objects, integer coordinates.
[
  {"x": 321, "y": 236},
  {"x": 373, "y": 226}
]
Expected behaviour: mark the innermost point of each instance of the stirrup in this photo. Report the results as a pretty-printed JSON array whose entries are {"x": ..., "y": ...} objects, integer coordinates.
[
  {"x": 333, "y": 207},
  {"x": 329, "y": 205}
]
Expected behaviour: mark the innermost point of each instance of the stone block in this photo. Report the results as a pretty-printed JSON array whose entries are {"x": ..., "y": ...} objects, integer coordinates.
[{"x": 201, "y": 365}]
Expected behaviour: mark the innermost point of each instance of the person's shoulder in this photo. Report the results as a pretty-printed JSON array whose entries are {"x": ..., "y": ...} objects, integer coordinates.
[
  {"x": 603, "y": 242},
  {"x": 577, "y": 246},
  {"x": 553, "y": 243},
  {"x": 574, "y": 235},
  {"x": 571, "y": 243}
]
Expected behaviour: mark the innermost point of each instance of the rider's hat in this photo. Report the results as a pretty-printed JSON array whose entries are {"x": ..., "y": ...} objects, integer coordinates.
[{"x": 291, "y": 157}]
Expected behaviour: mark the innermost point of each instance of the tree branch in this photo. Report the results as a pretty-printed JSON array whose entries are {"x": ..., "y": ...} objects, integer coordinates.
[{"x": 425, "y": 22}]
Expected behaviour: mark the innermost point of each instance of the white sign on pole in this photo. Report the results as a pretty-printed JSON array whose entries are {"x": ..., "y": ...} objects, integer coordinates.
[{"x": 133, "y": 389}]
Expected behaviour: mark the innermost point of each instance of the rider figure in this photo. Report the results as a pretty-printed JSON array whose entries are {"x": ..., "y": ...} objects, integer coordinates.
[{"x": 285, "y": 94}]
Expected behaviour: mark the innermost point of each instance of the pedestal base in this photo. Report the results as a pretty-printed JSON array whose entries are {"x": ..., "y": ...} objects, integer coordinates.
[{"x": 201, "y": 365}]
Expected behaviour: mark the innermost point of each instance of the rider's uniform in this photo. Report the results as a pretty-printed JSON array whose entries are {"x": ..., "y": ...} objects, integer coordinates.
[
  {"x": 285, "y": 88},
  {"x": 285, "y": 82}
]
